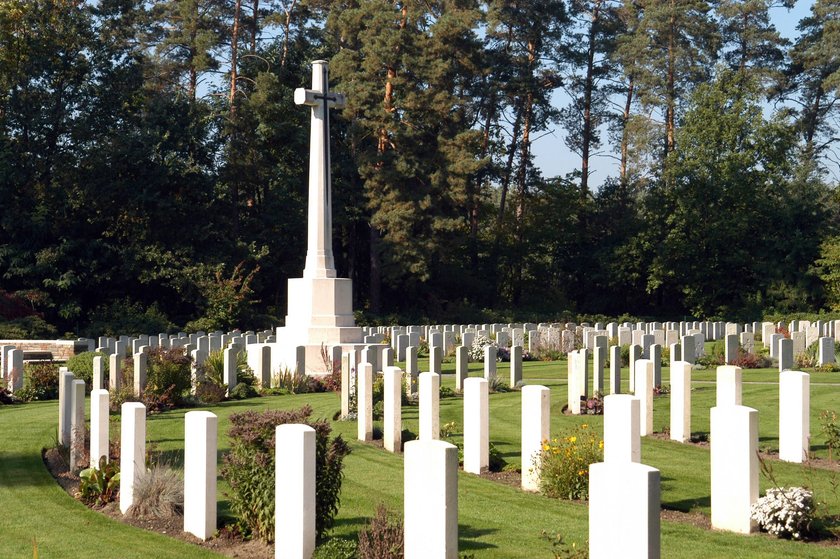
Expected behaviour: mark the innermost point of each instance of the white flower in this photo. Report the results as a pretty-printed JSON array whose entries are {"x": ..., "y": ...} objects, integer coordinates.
[{"x": 785, "y": 512}]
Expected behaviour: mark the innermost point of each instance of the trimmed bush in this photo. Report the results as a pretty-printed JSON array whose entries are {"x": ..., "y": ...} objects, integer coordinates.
[
  {"x": 81, "y": 366},
  {"x": 40, "y": 382},
  {"x": 249, "y": 469}
]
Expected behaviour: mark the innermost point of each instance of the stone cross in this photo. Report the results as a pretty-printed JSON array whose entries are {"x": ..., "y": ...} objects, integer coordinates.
[{"x": 319, "y": 254}]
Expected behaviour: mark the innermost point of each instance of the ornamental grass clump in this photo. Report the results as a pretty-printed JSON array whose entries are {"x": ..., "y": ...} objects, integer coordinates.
[
  {"x": 785, "y": 512},
  {"x": 249, "y": 469},
  {"x": 566, "y": 460}
]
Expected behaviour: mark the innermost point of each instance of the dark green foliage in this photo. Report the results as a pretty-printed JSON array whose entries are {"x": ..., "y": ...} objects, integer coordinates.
[
  {"x": 40, "y": 382},
  {"x": 99, "y": 486},
  {"x": 168, "y": 370},
  {"x": 27, "y": 328},
  {"x": 81, "y": 366},
  {"x": 249, "y": 469},
  {"x": 382, "y": 538},
  {"x": 497, "y": 460},
  {"x": 125, "y": 316},
  {"x": 242, "y": 391},
  {"x": 336, "y": 548}
]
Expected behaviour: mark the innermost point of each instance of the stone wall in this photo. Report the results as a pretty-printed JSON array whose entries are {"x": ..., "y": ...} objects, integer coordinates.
[{"x": 61, "y": 350}]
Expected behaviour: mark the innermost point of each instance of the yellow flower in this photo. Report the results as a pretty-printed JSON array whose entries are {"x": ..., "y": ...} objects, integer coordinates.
[
  {"x": 584, "y": 426},
  {"x": 545, "y": 446},
  {"x": 581, "y": 472},
  {"x": 601, "y": 445},
  {"x": 572, "y": 439}
]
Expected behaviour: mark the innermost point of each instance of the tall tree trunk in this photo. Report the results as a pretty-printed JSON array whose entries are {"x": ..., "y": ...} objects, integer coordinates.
[
  {"x": 287, "y": 27},
  {"x": 589, "y": 84},
  {"x": 508, "y": 172},
  {"x": 383, "y": 144},
  {"x": 255, "y": 26},
  {"x": 522, "y": 179},
  {"x": 625, "y": 140},
  {"x": 234, "y": 128},
  {"x": 671, "y": 93},
  {"x": 234, "y": 43},
  {"x": 812, "y": 117}
]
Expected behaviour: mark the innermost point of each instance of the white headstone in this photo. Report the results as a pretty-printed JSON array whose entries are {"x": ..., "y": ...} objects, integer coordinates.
[
  {"x": 77, "y": 426},
  {"x": 476, "y": 425},
  {"x": 680, "y": 401},
  {"x": 200, "y": 446},
  {"x": 392, "y": 409},
  {"x": 132, "y": 450},
  {"x": 140, "y": 363},
  {"x": 490, "y": 363},
  {"x": 625, "y": 498},
  {"x": 461, "y": 366},
  {"x": 622, "y": 429},
  {"x": 794, "y": 415},
  {"x": 644, "y": 392},
  {"x": 728, "y": 385},
  {"x": 734, "y": 467},
  {"x": 536, "y": 424},
  {"x": 825, "y": 355},
  {"x": 430, "y": 500},
  {"x": 515, "y": 365},
  {"x": 99, "y": 426},
  {"x": 294, "y": 492},
  {"x": 615, "y": 369},
  {"x": 65, "y": 407},
  {"x": 429, "y": 406},
  {"x": 364, "y": 402}
]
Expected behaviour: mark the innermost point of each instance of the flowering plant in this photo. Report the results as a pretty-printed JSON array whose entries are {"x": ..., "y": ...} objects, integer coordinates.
[
  {"x": 476, "y": 351},
  {"x": 785, "y": 512},
  {"x": 565, "y": 463}
]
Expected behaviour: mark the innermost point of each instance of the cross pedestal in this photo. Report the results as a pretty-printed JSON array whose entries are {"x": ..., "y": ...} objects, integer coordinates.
[{"x": 320, "y": 309}]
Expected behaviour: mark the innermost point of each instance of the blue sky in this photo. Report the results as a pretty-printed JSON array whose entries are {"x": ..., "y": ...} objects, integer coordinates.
[{"x": 553, "y": 157}]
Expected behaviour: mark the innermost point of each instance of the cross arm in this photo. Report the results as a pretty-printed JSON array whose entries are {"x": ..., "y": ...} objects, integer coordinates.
[{"x": 305, "y": 96}]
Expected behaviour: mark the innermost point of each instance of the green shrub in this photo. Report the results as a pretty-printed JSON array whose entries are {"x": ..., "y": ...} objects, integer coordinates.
[
  {"x": 382, "y": 538},
  {"x": 40, "y": 382},
  {"x": 336, "y": 548},
  {"x": 99, "y": 486},
  {"x": 27, "y": 328},
  {"x": 242, "y": 391},
  {"x": 126, "y": 317},
  {"x": 208, "y": 392},
  {"x": 121, "y": 396},
  {"x": 168, "y": 370},
  {"x": 213, "y": 368},
  {"x": 249, "y": 469},
  {"x": 81, "y": 365},
  {"x": 566, "y": 460}
]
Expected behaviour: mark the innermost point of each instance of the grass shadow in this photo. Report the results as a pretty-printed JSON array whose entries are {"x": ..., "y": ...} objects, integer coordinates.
[{"x": 467, "y": 536}]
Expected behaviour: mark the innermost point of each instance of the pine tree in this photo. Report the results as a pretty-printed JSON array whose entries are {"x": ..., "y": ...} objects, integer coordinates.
[
  {"x": 589, "y": 49},
  {"x": 814, "y": 77},
  {"x": 406, "y": 68},
  {"x": 751, "y": 44},
  {"x": 672, "y": 48}
]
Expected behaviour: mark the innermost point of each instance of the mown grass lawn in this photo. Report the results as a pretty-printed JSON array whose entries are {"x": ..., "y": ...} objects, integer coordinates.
[{"x": 494, "y": 520}]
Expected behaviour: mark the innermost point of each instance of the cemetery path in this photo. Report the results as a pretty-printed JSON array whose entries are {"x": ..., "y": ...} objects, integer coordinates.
[{"x": 36, "y": 509}]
